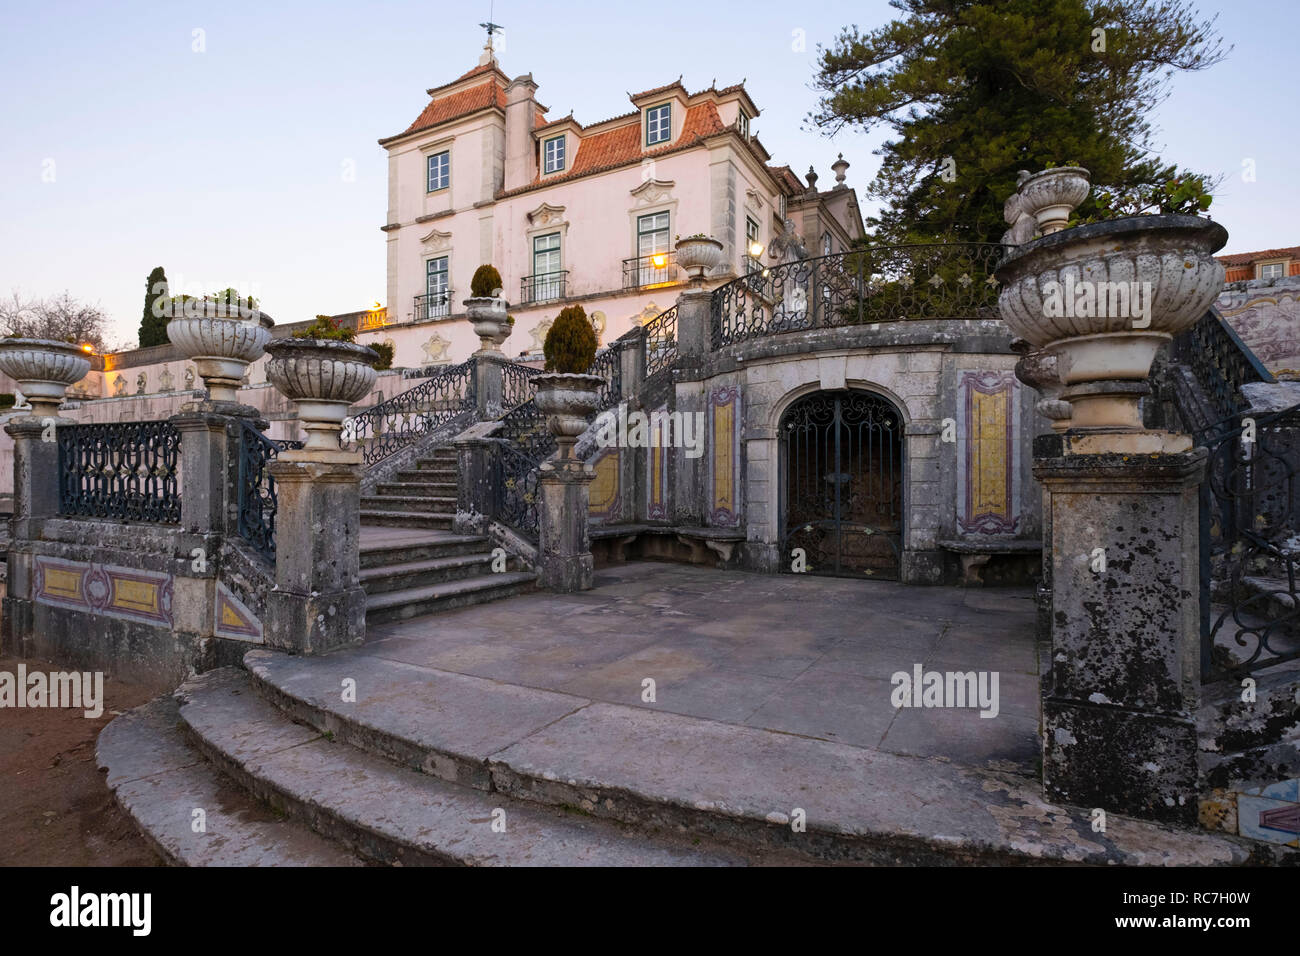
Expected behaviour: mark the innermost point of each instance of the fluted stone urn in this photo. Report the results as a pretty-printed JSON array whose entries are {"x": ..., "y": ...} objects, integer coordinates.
[
  {"x": 1051, "y": 195},
  {"x": 325, "y": 377},
  {"x": 567, "y": 399},
  {"x": 1103, "y": 298},
  {"x": 488, "y": 315},
  {"x": 43, "y": 369},
  {"x": 1037, "y": 369},
  {"x": 698, "y": 256},
  {"x": 222, "y": 347}
]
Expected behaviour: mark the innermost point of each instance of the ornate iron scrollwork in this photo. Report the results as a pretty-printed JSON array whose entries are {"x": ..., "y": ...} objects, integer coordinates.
[
  {"x": 257, "y": 500},
  {"x": 390, "y": 426},
  {"x": 124, "y": 470}
]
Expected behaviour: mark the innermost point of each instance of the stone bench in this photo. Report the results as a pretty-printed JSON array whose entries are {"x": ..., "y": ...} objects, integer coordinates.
[
  {"x": 700, "y": 542},
  {"x": 975, "y": 555}
]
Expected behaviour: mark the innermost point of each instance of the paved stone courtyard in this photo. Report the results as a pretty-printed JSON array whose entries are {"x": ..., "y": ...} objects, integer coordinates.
[{"x": 803, "y": 655}]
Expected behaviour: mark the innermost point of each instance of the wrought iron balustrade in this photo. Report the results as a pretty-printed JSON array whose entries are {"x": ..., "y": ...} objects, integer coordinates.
[
  {"x": 641, "y": 272},
  {"x": 1250, "y": 545},
  {"x": 524, "y": 442},
  {"x": 516, "y": 384},
  {"x": 433, "y": 305},
  {"x": 609, "y": 366},
  {"x": 124, "y": 470},
  {"x": 861, "y": 286},
  {"x": 661, "y": 342},
  {"x": 257, "y": 502},
  {"x": 1219, "y": 360},
  {"x": 543, "y": 287},
  {"x": 391, "y": 425}
]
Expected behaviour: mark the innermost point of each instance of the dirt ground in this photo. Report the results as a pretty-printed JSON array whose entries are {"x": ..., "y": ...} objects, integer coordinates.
[{"x": 55, "y": 809}]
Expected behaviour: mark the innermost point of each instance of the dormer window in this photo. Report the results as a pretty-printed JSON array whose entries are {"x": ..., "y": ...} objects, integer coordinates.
[
  {"x": 1272, "y": 270},
  {"x": 658, "y": 124},
  {"x": 553, "y": 155},
  {"x": 743, "y": 124}
]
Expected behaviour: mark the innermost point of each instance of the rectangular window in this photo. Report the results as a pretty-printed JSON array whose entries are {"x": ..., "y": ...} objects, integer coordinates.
[
  {"x": 439, "y": 170},
  {"x": 548, "y": 280},
  {"x": 826, "y": 243},
  {"x": 658, "y": 124},
  {"x": 553, "y": 154},
  {"x": 654, "y": 263},
  {"x": 751, "y": 263},
  {"x": 1273, "y": 270},
  {"x": 744, "y": 125},
  {"x": 437, "y": 298}
]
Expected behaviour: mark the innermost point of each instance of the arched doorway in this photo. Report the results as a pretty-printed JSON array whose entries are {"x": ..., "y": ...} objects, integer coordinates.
[{"x": 842, "y": 484}]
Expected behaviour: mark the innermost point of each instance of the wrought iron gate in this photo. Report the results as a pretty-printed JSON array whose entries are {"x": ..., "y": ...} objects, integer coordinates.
[{"x": 842, "y": 487}]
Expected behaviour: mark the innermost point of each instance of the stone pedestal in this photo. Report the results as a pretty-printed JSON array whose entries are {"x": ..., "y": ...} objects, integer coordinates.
[
  {"x": 475, "y": 484},
  {"x": 488, "y": 384},
  {"x": 36, "y": 470},
  {"x": 1122, "y": 692},
  {"x": 210, "y": 477},
  {"x": 564, "y": 562},
  {"x": 318, "y": 604},
  {"x": 694, "y": 322}
]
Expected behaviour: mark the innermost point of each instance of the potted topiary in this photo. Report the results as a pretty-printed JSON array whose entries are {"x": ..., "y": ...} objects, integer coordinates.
[
  {"x": 43, "y": 369},
  {"x": 486, "y": 307},
  {"x": 566, "y": 394},
  {"x": 324, "y": 372},
  {"x": 222, "y": 336},
  {"x": 698, "y": 254}
]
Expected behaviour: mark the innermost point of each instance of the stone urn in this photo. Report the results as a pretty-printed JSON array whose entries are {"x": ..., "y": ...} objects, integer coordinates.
[
  {"x": 488, "y": 315},
  {"x": 222, "y": 347},
  {"x": 1051, "y": 195},
  {"x": 1037, "y": 369},
  {"x": 43, "y": 369},
  {"x": 567, "y": 399},
  {"x": 325, "y": 377},
  {"x": 698, "y": 256},
  {"x": 1103, "y": 298}
]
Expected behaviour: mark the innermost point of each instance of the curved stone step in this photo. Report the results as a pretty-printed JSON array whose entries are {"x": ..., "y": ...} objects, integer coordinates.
[
  {"x": 413, "y": 602},
  {"x": 735, "y": 784},
  {"x": 423, "y": 573},
  {"x": 434, "y": 544},
  {"x": 406, "y": 519},
  {"x": 408, "y": 503},
  {"x": 159, "y": 780},
  {"x": 391, "y": 814}
]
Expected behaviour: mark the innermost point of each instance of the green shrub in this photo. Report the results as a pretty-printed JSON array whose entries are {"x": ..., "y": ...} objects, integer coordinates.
[
  {"x": 570, "y": 344},
  {"x": 485, "y": 283},
  {"x": 385, "y": 352},
  {"x": 327, "y": 327}
]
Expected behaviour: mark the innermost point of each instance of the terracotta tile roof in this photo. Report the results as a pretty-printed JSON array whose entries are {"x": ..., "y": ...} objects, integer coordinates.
[
  {"x": 621, "y": 146},
  {"x": 786, "y": 177},
  {"x": 441, "y": 109},
  {"x": 542, "y": 122},
  {"x": 1245, "y": 258},
  {"x": 659, "y": 89}
]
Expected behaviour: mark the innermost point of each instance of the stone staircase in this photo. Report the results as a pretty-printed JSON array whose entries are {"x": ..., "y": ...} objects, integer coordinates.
[
  {"x": 412, "y": 563},
  {"x": 427, "y": 767}
]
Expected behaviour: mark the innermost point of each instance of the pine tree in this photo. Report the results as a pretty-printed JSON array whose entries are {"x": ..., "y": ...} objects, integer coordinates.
[
  {"x": 153, "y": 328},
  {"x": 976, "y": 90}
]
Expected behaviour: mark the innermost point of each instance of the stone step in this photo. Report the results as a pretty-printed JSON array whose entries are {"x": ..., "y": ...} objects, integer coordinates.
[
  {"x": 443, "y": 506},
  {"x": 422, "y": 573},
  {"x": 436, "y": 467},
  {"x": 405, "y": 519},
  {"x": 413, "y": 602},
  {"x": 428, "y": 477},
  {"x": 645, "y": 767},
  {"x": 435, "y": 545},
  {"x": 418, "y": 489},
  {"x": 159, "y": 780},
  {"x": 391, "y": 814}
]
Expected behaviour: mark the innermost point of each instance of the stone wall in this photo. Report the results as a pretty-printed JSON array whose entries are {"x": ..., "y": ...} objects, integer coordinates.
[{"x": 1266, "y": 314}]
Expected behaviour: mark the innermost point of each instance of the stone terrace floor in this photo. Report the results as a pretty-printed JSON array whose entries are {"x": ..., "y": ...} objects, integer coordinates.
[{"x": 803, "y": 655}]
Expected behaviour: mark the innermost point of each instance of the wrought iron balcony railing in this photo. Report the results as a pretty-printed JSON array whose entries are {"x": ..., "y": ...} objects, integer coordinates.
[
  {"x": 862, "y": 286},
  {"x": 543, "y": 287},
  {"x": 124, "y": 470},
  {"x": 433, "y": 305},
  {"x": 642, "y": 272}
]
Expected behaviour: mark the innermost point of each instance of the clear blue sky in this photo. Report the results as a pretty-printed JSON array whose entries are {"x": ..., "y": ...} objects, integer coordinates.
[{"x": 227, "y": 166}]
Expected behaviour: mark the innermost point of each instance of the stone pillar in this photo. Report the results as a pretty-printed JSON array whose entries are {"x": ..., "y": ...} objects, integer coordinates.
[
  {"x": 631, "y": 359},
  {"x": 694, "y": 322},
  {"x": 318, "y": 604},
  {"x": 487, "y": 384},
  {"x": 475, "y": 483},
  {"x": 210, "y": 472},
  {"x": 1121, "y": 696},
  {"x": 36, "y": 470},
  {"x": 564, "y": 561}
]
